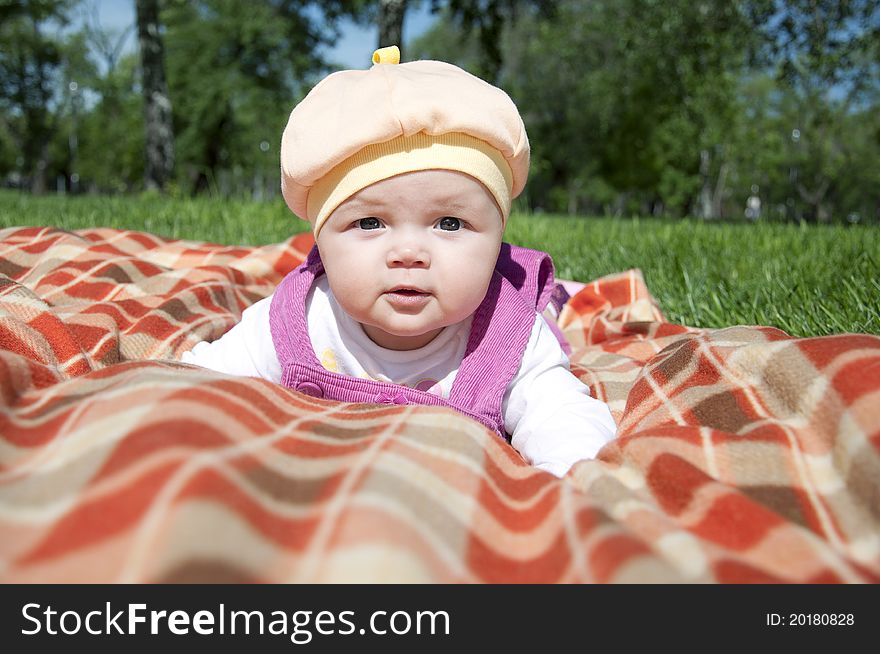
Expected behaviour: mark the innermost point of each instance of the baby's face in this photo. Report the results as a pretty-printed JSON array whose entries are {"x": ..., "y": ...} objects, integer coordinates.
[{"x": 409, "y": 255}]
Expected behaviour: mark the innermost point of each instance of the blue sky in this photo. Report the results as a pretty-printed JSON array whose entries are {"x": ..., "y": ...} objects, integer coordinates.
[{"x": 353, "y": 50}]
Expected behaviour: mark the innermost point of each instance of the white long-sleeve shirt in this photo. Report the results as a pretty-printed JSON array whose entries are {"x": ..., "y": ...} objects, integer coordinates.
[{"x": 551, "y": 416}]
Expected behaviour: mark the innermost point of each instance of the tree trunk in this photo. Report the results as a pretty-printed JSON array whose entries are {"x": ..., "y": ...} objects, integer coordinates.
[
  {"x": 718, "y": 195},
  {"x": 157, "y": 105},
  {"x": 704, "y": 207},
  {"x": 391, "y": 14},
  {"x": 39, "y": 183},
  {"x": 33, "y": 89},
  {"x": 815, "y": 199},
  {"x": 572, "y": 200},
  {"x": 709, "y": 205}
]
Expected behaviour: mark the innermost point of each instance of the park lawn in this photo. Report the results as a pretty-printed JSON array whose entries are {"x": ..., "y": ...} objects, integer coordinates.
[{"x": 808, "y": 280}]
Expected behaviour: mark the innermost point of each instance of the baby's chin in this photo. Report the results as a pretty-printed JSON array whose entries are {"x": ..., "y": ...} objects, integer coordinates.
[
  {"x": 397, "y": 337},
  {"x": 412, "y": 326},
  {"x": 414, "y": 332}
]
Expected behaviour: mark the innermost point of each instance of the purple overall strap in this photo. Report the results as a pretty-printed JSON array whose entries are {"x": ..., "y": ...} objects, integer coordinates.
[
  {"x": 530, "y": 272},
  {"x": 287, "y": 313}
]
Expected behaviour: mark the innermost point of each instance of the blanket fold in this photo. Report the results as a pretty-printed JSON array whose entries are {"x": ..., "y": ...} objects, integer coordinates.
[{"x": 744, "y": 455}]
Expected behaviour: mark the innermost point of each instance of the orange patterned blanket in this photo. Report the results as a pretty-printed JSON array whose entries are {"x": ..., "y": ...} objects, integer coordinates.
[{"x": 743, "y": 455}]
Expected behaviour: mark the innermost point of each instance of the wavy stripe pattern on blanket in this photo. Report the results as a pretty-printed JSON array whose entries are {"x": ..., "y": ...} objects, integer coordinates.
[{"x": 743, "y": 455}]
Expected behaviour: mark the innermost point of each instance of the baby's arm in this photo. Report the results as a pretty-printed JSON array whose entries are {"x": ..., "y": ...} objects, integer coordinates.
[
  {"x": 246, "y": 349},
  {"x": 551, "y": 416}
]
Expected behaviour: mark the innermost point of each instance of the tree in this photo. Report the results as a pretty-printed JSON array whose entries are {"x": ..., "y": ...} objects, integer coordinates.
[
  {"x": 31, "y": 60},
  {"x": 446, "y": 41},
  {"x": 675, "y": 107},
  {"x": 486, "y": 21},
  {"x": 235, "y": 70},
  {"x": 480, "y": 22},
  {"x": 628, "y": 103},
  {"x": 390, "y": 21},
  {"x": 110, "y": 128},
  {"x": 112, "y": 134},
  {"x": 159, "y": 134},
  {"x": 826, "y": 54}
]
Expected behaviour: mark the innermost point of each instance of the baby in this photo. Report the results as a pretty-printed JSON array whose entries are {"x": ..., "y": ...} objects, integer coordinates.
[{"x": 406, "y": 174}]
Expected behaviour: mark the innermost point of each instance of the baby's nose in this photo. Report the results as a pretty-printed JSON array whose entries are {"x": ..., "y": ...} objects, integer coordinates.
[{"x": 408, "y": 254}]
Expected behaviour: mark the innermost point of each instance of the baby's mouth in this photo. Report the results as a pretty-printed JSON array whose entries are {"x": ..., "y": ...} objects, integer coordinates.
[
  {"x": 408, "y": 292},
  {"x": 407, "y": 300}
]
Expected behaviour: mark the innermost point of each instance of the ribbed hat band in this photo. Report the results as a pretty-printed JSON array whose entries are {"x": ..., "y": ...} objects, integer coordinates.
[{"x": 375, "y": 162}]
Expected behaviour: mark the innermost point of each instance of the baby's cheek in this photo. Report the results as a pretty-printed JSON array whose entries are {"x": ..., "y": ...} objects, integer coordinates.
[
  {"x": 348, "y": 290},
  {"x": 463, "y": 299},
  {"x": 352, "y": 298}
]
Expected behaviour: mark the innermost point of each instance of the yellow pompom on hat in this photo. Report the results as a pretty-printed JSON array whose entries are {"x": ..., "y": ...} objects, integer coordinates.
[{"x": 358, "y": 127}]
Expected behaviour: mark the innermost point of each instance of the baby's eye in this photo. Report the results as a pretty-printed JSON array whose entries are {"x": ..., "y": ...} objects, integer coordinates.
[
  {"x": 369, "y": 223},
  {"x": 449, "y": 224}
]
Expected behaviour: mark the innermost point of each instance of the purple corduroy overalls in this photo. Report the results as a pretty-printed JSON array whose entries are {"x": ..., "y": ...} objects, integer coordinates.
[{"x": 521, "y": 284}]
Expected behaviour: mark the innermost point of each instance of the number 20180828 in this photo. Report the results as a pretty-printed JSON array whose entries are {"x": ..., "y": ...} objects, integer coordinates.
[{"x": 810, "y": 619}]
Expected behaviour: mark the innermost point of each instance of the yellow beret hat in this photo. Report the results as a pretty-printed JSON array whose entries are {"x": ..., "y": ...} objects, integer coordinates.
[{"x": 358, "y": 127}]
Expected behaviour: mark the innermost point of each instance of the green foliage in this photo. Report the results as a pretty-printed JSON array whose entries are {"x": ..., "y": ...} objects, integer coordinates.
[
  {"x": 805, "y": 279},
  {"x": 682, "y": 108},
  {"x": 31, "y": 66},
  {"x": 482, "y": 23},
  {"x": 820, "y": 44},
  {"x": 234, "y": 71},
  {"x": 111, "y": 134},
  {"x": 445, "y": 43}
]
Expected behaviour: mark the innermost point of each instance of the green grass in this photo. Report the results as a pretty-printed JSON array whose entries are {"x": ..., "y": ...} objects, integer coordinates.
[
  {"x": 807, "y": 280},
  {"x": 230, "y": 222}
]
